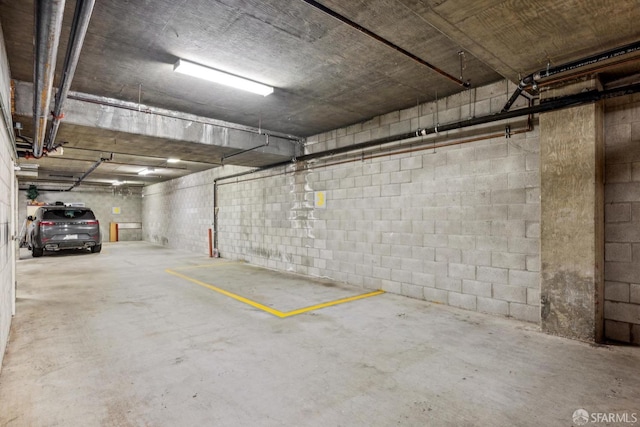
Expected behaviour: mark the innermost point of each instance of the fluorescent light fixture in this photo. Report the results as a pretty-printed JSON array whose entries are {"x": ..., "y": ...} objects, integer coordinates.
[
  {"x": 146, "y": 171},
  {"x": 173, "y": 160},
  {"x": 116, "y": 183},
  {"x": 217, "y": 76}
]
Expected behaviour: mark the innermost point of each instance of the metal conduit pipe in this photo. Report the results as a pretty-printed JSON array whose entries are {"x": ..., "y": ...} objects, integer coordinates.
[
  {"x": 533, "y": 78},
  {"x": 82, "y": 15},
  {"x": 550, "y": 105},
  {"x": 590, "y": 60},
  {"x": 384, "y": 41},
  {"x": 119, "y": 153},
  {"x": 266, "y": 144},
  {"x": 215, "y": 214},
  {"x": 524, "y": 83},
  {"x": 88, "y": 172},
  {"x": 554, "y": 104},
  {"x": 431, "y": 146},
  {"x": 594, "y": 70},
  {"x": 48, "y": 25}
]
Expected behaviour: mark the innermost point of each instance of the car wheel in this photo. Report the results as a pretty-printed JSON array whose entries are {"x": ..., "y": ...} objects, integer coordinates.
[
  {"x": 96, "y": 249},
  {"x": 36, "y": 252}
]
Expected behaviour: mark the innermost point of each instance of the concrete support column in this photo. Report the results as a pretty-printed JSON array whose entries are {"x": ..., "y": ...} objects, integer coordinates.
[{"x": 572, "y": 218}]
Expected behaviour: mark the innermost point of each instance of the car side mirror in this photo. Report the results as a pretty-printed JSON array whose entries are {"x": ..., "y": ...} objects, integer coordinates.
[{"x": 30, "y": 218}]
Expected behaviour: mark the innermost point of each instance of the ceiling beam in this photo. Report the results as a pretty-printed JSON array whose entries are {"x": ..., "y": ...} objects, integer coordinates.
[{"x": 117, "y": 116}]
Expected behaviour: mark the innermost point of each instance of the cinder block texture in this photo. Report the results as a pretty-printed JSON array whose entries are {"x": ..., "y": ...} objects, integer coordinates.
[
  {"x": 179, "y": 213},
  {"x": 444, "y": 224},
  {"x": 7, "y": 246},
  {"x": 7, "y": 207},
  {"x": 622, "y": 219}
]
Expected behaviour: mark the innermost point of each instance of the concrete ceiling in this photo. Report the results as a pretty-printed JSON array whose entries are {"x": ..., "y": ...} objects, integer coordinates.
[{"x": 326, "y": 73}]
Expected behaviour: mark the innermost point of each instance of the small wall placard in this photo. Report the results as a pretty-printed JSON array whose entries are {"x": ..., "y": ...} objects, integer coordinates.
[{"x": 320, "y": 200}]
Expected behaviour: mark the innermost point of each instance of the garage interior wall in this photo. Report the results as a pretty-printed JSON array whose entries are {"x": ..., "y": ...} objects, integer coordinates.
[
  {"x": 622, "y": 219},
  {"x": 179, "y": 213},
  {"x": 458, "y": 225},
  {"x": 6, "y": 204},
  {"x": 101, "y": 201}
]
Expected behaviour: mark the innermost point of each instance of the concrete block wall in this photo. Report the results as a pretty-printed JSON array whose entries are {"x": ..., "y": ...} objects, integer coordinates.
[
  {"x": 179, "y": 213},
  {"x": 458, "y": 225},
  {"x": 7, "y": 206},
  {"x": 622, "y": 219},
  {"x": 267, "y": 220},
  {"x": 101, "y": 201},
  {"x": 6, "y": 244}
]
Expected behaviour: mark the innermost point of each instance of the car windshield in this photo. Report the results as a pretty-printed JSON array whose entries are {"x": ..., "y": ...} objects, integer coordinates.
[{"x": 68, "y": 214}]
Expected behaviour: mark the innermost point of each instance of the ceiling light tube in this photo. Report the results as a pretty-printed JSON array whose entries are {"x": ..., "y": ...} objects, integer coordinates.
[
  {"x": 217, "y": 76},
  {"x": 146, "y": 171},
  {"x": 173, "y": 160}
]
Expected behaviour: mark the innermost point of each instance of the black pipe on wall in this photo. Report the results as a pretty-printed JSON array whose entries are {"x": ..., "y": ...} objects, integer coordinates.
[
  {"x": 546, "y": 106},
  {"x": 532, "y": 78},
  {"x": 550, "y": 105}
]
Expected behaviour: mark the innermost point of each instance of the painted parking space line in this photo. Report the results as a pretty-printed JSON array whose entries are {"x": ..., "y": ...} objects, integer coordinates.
[
  {"x": 331, "y": 303},
  {"x": 268, "y": 309},
  {"x": 211, "y": 265},
  {"x": 227, "y": 293}
]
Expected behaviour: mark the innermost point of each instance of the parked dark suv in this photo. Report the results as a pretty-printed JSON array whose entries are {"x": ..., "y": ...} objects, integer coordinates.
[{"x": 63, "y": 227}]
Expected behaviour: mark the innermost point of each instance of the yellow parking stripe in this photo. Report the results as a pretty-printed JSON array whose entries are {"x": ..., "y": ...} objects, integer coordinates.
[
  {"x": 216, "y": 264},
  {"x": 227, "y": 293},
  {"x": 330, "y": 303},
  {"x": 270, "y": 310}
]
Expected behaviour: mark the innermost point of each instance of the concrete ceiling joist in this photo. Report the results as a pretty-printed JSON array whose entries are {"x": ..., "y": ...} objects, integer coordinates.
[{"x": 214, "y": 139}]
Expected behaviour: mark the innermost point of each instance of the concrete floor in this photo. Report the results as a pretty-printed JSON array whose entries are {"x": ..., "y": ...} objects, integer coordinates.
[{"x": 113, "y": 339}]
